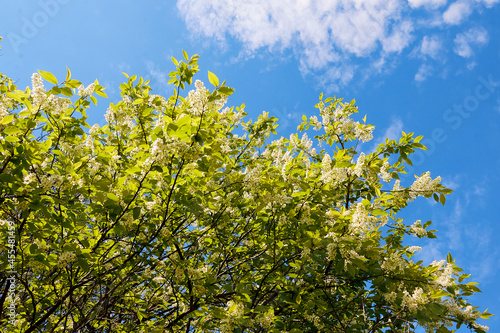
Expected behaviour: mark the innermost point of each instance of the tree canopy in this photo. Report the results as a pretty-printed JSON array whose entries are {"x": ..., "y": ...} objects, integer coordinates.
[{"x": 167, "y": 220}]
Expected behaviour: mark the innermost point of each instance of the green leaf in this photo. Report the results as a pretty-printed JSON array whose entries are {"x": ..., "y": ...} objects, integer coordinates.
[
  {"x": 68, "y": 74},
  {"x": 226, "y": 91},
  {"x": 72, "y": 83},
  {"x": 12, "y": 139},
  {"x": 7, "y": 119},
  {"x": 33, "y": 249},
  {"x": 66, "y": 91},
  {"x": 449, "y": 258},
  {"x": 442, "y": 199},
  {"x": 112, "y": 196},
  {"x": 48, "y": 76},
  {"x": 213, "y": 79},
  {"x": 101, "y": 93},
  {"x": 185, "y": 55}
]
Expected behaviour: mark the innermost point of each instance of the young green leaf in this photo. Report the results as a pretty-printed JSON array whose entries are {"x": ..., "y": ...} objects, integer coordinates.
[
  {"x": 213, "y": 79},
  {"x": 48, "y": 76}
]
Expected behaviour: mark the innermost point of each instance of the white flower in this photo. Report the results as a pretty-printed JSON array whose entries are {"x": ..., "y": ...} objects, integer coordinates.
[
  {"x": 386, "y": 176},
  {"x": 38, "y": 91},
  {"x": 29, "y": 178},
  {"x": 417, "y": 229},
  {"x": 93, "y": 130},
  {"x": 413, "y": 301},
  {"x": 358, "y": 170},
  {"x": 413, "y": 249},
  {"x": 66, "y": 258},
  {"x": 424, "y": 185},
  {"x": 84, "y": 92}
]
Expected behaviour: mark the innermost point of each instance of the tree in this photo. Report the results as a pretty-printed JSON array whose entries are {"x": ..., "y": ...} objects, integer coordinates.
[{"x": 166, "y": 220}]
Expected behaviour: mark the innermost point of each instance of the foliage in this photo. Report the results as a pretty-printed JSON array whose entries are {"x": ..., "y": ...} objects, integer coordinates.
[{"x": 164, "y": 219}]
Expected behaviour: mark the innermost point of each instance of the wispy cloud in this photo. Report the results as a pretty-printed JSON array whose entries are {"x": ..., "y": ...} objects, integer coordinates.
[
  {"x": 423, "y": 72},
  {"x": 457, "y": 12},
  {"x": 467, "y": 41},
  {"x": 431, "y": 46},
  {"x": 342, "y": 38}
]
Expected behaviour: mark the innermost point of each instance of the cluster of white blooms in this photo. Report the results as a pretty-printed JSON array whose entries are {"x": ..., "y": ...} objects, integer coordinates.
[
  {"x": 276, "y": 200},
  {"x": 316, "y": 320},
  {"x": 266, "y": 320},
  {"x": 414, "y": 249},
  {"x": 128, "y": 221},
  {"x": 484, "y": 328},
  {"x": 198, "y": 98},
  {"x": 161, "y": 150},
  {"x": 235, "y": 310},
  {"x": 230, "y": 117},
  {"x": 358, "y": 169},
  {"x": 3, "y": 107},
  {"x": 84, "y": 92},
  {"x": 38, "y": 91},
  {"x": 331, "y": 175},
  {"x": 316, "y": 123},
  {"x": 119, "y": 118},
  {"x": 413, "y": 302},
  {"x": 58, "y": 105},
  {"x": 159, "y": 279},
  {"x": 424, "y": 185},
  {"x": 391, "y": 297},
  {"x": 394, "y": 263},
  {"x": 93, "y": 130},
  {"x": 361, "y": 222},
  {"x": 66, "y": 258},
  {"x": 417, "y": 229},
  {"x": 444, "y": 275},
  {"x": 306, "y": 144},
  {"x": 386, "y": 176},
  {"x": 364, "y": 132},
  {"x": 29, "y": 178},
  {"x": 252, "y": 178},
  {"x": 41, "y": 245}
]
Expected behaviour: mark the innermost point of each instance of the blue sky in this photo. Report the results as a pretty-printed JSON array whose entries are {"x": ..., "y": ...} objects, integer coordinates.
[{"x": 424, "y": 66}]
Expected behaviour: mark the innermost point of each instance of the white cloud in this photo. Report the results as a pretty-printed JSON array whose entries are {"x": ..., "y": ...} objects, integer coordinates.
[
  {"x": 431, "y": 46},
  {"x": 341, "y": 37},
  {"x": 467, "y": 41},
  {"x": 457, "y": 12},
  {"x": 399, "y": 39},
  {"x": 490, "y": 3},
  {"x": 423, "y": 72},
  {"x": 426, "y": 3},
  {"x": 323, "y": 33}
]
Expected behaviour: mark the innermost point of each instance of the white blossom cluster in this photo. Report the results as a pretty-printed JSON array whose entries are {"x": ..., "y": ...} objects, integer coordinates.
[
  {"x": 394, "y": 263},
  {"x": 415, "y": 300},
  {"x": 332, "y": 175},
  {"x": 417, "y": 229},
  {"x": 343, "y": 124},
  {"x": 119, "y": 118},
  {"x": 386, "y": 176},
  {"x": 198, "y": 99},
  {"x": 424, "y": 185},
  {"x": 161, "y": 150},
  {"x": 361, "y": 222},
  {"x": 4, "y": 111},
  {"x": 65, "y": 259},
  {"x": 358, "y": 169},
  {"x": 414, "y": 249},
  {"x": 84, "y": 92},
  {"x": 38, "y": 91},
  {"x": 444, "y": 274}
]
